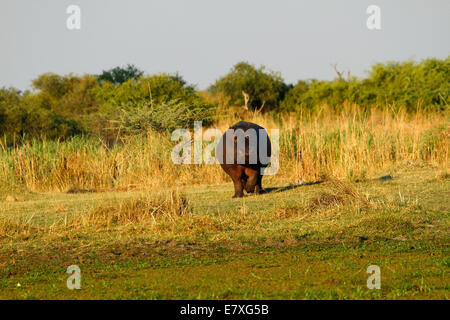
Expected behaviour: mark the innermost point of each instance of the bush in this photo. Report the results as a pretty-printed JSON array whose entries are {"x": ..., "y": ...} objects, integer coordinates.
[
  {"x": 163, "y": 117},
  {"x": 265, "y": 89},
  {"x": 409, "y": 84},
  {"x": 27, "y": 123},
  {"x": 157, "y": 88},
  {"x": 160, "y": 102},
  {"x": 9, "y": 98},
  {"x": 63, "y": 106},
  {"x": 20, "y": 119},
  {"x": 406, "y": 84},
  {"x": 311, "y": 96},
  {"x": 68, "y": 95},
  {"x": 119, "y": 75}
]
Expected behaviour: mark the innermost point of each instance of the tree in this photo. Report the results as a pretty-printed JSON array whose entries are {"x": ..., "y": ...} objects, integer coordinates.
[
  {"x": 9, "y": 99},
  {"x": 295, "y": 96},
  {"x": 119, "y": 75},
  {"x": 68, "y": 94},
  {"x": 158, "y": 88},
  {"x": 263, "y": 89}
]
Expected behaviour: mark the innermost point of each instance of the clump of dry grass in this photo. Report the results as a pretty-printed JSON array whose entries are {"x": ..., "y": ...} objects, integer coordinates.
[
  {"x": 144, "y": 212},
  {"x": 141, "y": 211},
  {"x": 337, "y": 195},
  {"x": 325, "y": 200},
  {"x": 19, "y": 228},
  {"x": 339, "y": 192},
  {"x": 443, "y": 176}
]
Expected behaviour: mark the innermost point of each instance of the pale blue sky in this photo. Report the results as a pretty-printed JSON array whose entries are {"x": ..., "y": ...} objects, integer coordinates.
[{"x": 202, "y": 39}]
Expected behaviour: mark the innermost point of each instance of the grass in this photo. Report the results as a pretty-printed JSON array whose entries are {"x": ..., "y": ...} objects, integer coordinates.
[
  {"x": 296, "y": 241},
  {"x": 354, "y": 189},
  {"x": 353, "y": 144}
]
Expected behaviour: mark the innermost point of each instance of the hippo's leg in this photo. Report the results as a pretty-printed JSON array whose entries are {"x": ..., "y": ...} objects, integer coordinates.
[
  {"x": 258, "y": 188},
  {"x": 252, "y": 181},
  {"x": 237, "y": 175},
  {"x": 238, "y": 188}
]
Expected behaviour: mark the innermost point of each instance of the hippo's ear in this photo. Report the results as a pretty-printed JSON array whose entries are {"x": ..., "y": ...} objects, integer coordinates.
[{"x": 246, "y": 138}]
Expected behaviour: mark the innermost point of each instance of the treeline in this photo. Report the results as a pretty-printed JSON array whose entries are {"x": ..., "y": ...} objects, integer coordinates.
[
  {"x": 123, "y": 99},
  {"x": 119, "y": 99}
]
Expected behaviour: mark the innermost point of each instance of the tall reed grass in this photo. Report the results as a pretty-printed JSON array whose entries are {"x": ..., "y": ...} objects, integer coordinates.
[{"x": 353, "y": 144}]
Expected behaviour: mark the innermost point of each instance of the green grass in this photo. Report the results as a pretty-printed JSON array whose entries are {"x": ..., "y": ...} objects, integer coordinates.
[{"x": 274, "y": 246}]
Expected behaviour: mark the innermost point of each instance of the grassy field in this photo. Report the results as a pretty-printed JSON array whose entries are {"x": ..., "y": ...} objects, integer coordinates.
[{"x": 301, "y": 240}]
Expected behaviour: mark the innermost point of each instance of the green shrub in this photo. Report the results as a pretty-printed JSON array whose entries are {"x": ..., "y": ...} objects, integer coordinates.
[
  {"x": 266, "y": 89},
  {"x": 158, "y": 88},
  {"x": 163, "y": 117},
  {"x": 425, "y": 84},
  {"x": 119, "y": 75},
  {"x": 406, "y": 84},
  {"x": 63, "y": 106}
]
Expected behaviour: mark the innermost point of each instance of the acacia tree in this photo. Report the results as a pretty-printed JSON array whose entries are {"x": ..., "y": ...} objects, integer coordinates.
[
  {"x": 254, "y": 87},
  {"x": 119, "y": 75}
]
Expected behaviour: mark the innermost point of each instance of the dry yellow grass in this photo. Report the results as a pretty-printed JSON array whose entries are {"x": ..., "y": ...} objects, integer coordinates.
[
  {"x": 143, "y": 210},
  {"x": 148, "y": 211},
  {"x": 352, "y": 144}
]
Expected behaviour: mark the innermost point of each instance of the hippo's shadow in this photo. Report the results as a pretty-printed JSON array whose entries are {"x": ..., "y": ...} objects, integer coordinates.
[{"x": 289, "y": 187}]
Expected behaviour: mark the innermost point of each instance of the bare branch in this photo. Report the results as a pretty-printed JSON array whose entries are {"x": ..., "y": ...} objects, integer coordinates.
[{"x": 339, "y": 73}]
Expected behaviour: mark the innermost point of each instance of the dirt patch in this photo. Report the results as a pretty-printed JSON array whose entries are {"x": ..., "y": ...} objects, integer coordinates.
[
  {"x": 75, "y": 190},
  {"x": 10, "y": 198}
]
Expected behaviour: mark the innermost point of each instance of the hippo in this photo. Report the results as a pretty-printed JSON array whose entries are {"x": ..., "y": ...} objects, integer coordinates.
[{"x": 244, "y": 152}]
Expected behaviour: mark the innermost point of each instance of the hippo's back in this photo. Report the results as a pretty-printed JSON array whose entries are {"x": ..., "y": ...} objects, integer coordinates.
[
  {"x": 260, "y": 132},
  {"x": 244, "y": 125}
]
